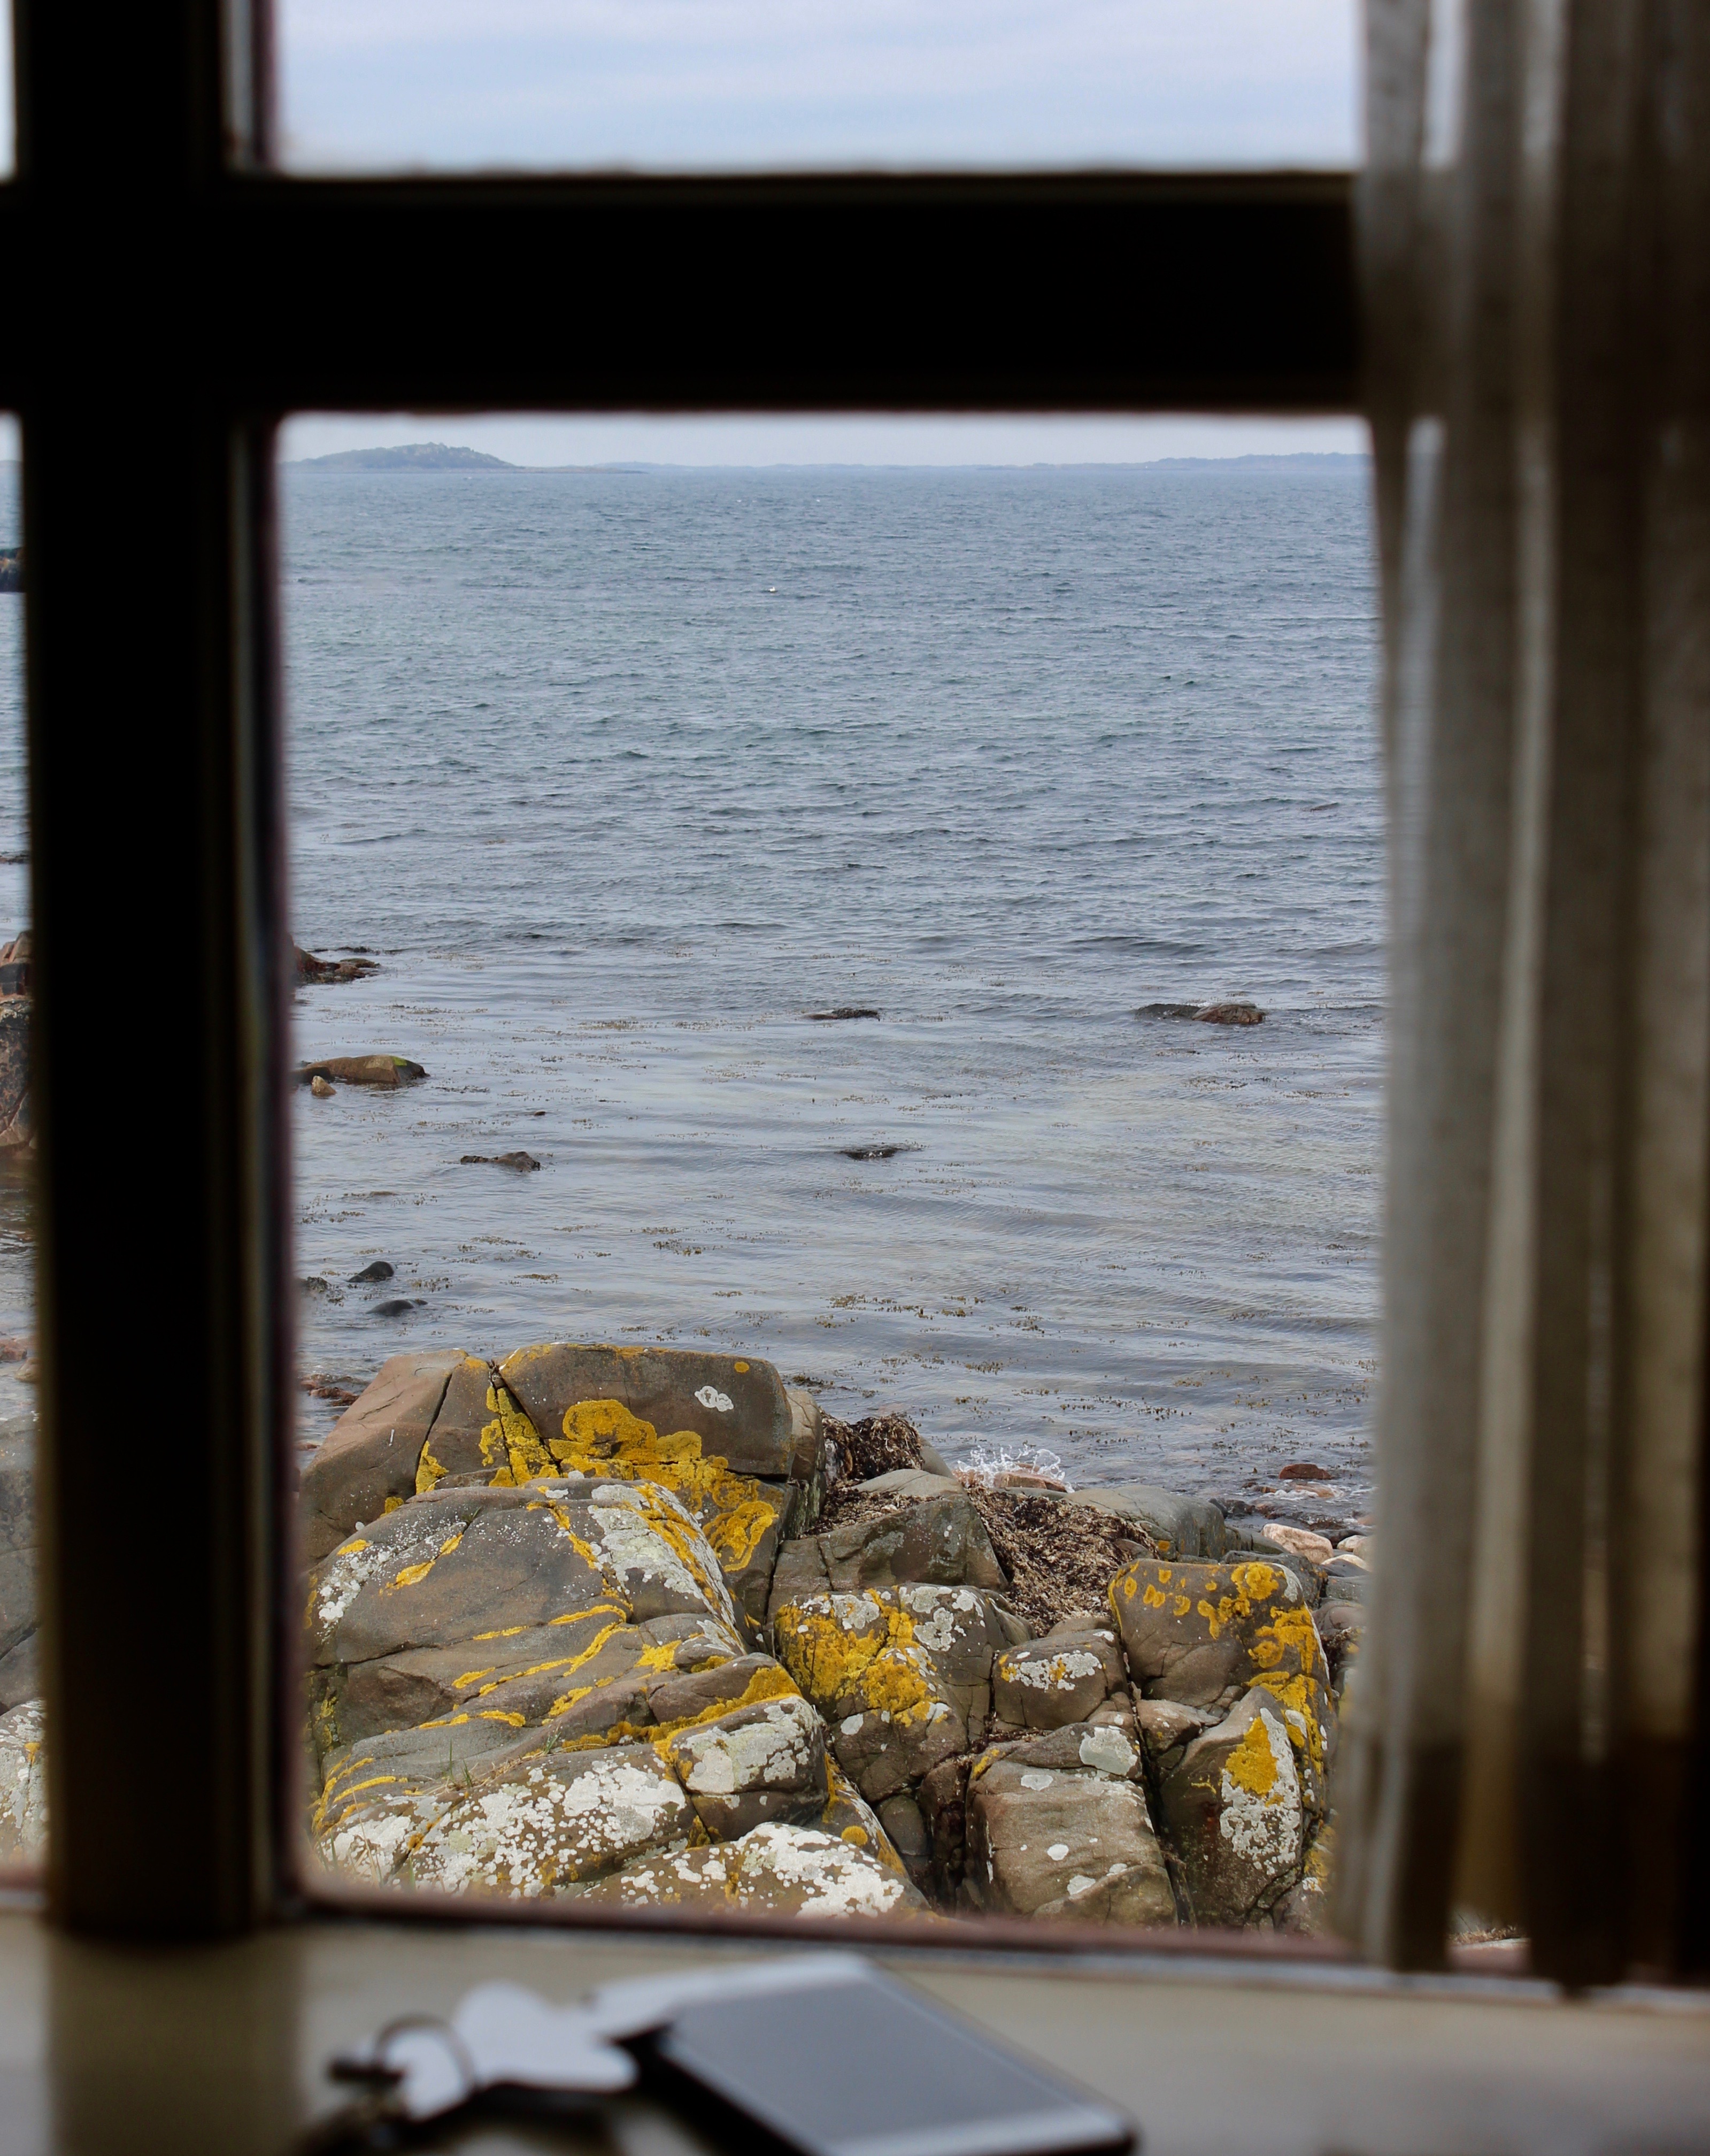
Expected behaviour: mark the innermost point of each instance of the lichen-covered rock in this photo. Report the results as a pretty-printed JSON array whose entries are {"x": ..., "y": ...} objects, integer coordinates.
[
  {"x": 368, "y": 1459},
  {"x": 1235, "y": 1813},
  {"x": 1097, "y": 1748},
  {"x": 941, "y": 1542},
  {"x": 1341, "y": 1625},
  {"x": 1202, "y": 1633},
  {"x": 762, "y": 1763},
  {"x": 23, "y": 1784},
  {"x": 515, "y": 1605},
  {"x": 742, "y": 1517},
  {"x": 1058, "y": 1679},
  {"x": 1074, "y": 1845},
  {"x": 858, "y": 1659},
  {"x": 1305, "y": 1908},
  {"x": 778, "y": 1869},
  {"x": 738, "y": 1406},
  {"x": 549, "y": 1821},
  {"x": 19, "y": 1673}
]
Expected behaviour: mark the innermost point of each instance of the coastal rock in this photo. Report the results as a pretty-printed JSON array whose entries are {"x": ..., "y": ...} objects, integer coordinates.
[
  {"x": 760, "y": 1763},
  {"x": 369, "y": 1457},
  {"x": 856, "y": 1659},
  {"x": 738, "y": 1406},
  {"x": 521, "y": 1163},
  {"x": 549, "y": 1820},
  {"x": 1197, "y": 1633},
  {"x": 1231, "y": 1014},
  {"x": 320, "y": 1089},
  {"x": 544, "y": 1595},
  {"x": 1076, "y": 1845},
  {"x": 1057, "y": 1680},
  {"x": 17, "y": 1551},
  {"x": 308, "y": 968},
  {"x": 1340, "y": 1625},
  {"x": 742, "y": 1517},
  {"x": 21, "y": 1672},
  {"x": 15, "y": 1016},
  {"x": 1317, "y": 1549},
  {"x": 778, "y": 1869},
  {"x": 1236, "y": 1815},
  {"x": 1180, "y": 1526},
  {"x": 941, "y": 1541},
  {"x": 12, "y": 569},
  {"x": 23, "y": 1783},
  {"x": 382, "y": 1070}
]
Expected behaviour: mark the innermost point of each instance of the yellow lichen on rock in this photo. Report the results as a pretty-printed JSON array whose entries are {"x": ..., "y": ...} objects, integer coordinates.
[
  {"x": 511, "y": 1443},
  {"x": 1251, "y": 1765},
  {"x": 602, "y": 1437}
]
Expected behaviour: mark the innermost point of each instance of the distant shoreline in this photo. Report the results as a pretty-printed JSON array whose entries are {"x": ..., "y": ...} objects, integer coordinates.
[{"x": 440, "y": 457}]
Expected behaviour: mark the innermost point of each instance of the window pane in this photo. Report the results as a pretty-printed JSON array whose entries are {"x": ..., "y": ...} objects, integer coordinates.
[
  {"x": 666, "y": 85},
  {"x": 897, "y": 952},
  {"x": 22, "y": 1794}
]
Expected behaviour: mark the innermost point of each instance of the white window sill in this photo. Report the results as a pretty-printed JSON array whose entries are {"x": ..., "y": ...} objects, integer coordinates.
[{"x": 199, "y": 2050}]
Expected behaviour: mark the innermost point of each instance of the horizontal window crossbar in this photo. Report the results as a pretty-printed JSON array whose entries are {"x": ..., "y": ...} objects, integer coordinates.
[{"x": 1212, "y": 292}]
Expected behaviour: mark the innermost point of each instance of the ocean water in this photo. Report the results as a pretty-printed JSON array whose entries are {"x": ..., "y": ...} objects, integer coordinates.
[{"x": 620, "y": 776}]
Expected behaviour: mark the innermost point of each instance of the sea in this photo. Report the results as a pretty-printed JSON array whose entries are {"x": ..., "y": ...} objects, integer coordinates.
[
  {"x": 621, "y": 777},
  {"x": 624, "y": 779}
]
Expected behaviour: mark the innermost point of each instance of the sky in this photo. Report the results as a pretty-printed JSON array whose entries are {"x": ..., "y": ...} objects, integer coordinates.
[
  {"x": 743, "y": 84},
  {"x": 748, "y": 84},
  {"x": 838, "y": 438}
]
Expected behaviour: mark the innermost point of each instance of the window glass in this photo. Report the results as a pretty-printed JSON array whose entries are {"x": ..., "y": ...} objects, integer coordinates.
[
  {"x": 877, "y": 926},
  {"x": 682, "y": 84},
  {"x": 22, "y": 1794}
]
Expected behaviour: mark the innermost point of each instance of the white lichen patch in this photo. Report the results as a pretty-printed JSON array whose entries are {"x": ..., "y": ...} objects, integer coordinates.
[
  {"x": 1037, "y": 1778},
  {"x": 1083, "y": 1883},
  {"x": 1262, "y": 1818},
  {"x": 1060, "y": 1672},
  {"x": 640, "y": 1529},
  {"x": 941, "y": 1615},
  {"x": 709, "y": 1396},
  {"x": 814, "y": 1873},
  {"x": 776, "y": 1745},
  {"x": 1108, "y": 1751},
  {"x": 368, "y": 1844},
  {"x": 553, "y": 1822},
  {"x": 23, "y": 1783}
]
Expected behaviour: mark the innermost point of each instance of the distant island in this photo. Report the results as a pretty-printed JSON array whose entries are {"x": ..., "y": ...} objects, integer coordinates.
[{"x": 413, "y": 456}]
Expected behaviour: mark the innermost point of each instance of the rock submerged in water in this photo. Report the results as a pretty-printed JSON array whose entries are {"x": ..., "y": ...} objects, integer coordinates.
[
  {"x": 523, "y": 1163},
  {"x": 1236, "y": 1012},
  {"x": 585, "y": 1623},
  {"x": 308, "y": 968},
  {"x": 17, "y": 1124},
  {"x": 383, "y": 1069}
]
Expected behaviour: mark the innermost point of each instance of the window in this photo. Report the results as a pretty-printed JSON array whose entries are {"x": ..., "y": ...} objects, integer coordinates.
[{"x": 155, "y": 745}]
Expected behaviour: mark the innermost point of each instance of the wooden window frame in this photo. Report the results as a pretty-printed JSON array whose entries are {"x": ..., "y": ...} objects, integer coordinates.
[{"x": 171, "y": 299}]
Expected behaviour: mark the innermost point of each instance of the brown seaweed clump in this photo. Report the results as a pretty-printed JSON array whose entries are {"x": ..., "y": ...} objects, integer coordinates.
[{"x": 1060, "y": 1557}]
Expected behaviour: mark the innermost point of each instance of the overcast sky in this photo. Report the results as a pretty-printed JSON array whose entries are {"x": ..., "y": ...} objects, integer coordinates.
[
  {"x": 837, "y": 439},
  {"x": 742, "y": 84}
]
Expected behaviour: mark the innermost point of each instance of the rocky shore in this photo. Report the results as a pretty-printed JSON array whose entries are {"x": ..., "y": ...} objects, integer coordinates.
[{"x": 643, "y": 1627}]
